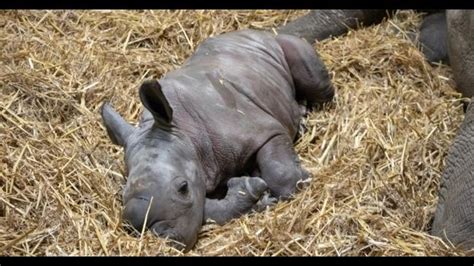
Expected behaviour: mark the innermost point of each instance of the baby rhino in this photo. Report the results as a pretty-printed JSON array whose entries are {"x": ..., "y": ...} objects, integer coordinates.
[{"x": 228, "y": 115}]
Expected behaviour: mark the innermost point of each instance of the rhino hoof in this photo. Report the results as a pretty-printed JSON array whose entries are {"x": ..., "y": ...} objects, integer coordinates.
[
  {"x": 265, "y": 201},
  {"x": 252, "y": 187},
  {"x": 303, "y": 183},
  {"x": 255, "y": 186}
]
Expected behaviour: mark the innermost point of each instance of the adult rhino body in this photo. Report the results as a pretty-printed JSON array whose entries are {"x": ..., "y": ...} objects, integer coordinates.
[
  {"x": 230, "y": 110},
  {"x": 447, "y": 37},
  {"x": 454, "y": 217}
]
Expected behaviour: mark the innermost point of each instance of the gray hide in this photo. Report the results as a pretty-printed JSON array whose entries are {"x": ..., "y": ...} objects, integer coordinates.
[{"x": 454, "y": 217}]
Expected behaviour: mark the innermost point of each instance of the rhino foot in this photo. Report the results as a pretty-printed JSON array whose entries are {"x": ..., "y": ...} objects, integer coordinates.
[
  {"x": 246, "y": 188},
  {"x": 242, "y": 194},
  {"x": 266, "y": 201}
]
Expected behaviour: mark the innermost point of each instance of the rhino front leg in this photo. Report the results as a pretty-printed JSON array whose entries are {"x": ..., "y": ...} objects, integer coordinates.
[
  {"x": 311, "y": 78},
  {"x": 242, "y": 195},
  {"x": 280, "y": 167}
]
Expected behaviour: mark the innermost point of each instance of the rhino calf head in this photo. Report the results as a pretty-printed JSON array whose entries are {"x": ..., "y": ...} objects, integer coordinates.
[{"x": 165, "y": 191}]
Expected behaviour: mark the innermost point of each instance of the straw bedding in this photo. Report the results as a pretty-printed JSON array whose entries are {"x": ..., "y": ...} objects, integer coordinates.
[{"x": 376, "y": 152}]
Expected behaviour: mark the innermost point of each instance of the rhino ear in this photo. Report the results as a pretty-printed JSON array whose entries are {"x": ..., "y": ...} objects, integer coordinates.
[
  {"x": 155, "y": 101},
  {"x": 117, "y": 128}
]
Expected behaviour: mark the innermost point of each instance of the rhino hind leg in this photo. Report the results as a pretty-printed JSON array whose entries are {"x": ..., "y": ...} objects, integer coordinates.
[
  {"x": 243, "y": 194},
  {"x": 280, "y": 167},
  {"x": 311, "y": 78}
]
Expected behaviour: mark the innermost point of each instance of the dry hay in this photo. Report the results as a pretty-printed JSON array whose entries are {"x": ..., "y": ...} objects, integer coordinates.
[{"x": 376, "y": 152}]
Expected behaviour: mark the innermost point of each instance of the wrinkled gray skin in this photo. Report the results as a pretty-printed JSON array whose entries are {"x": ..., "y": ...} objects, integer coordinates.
[
  {"x": 321, "y": 24},
  {"x": 454, "y": 217},
  {"x": 229, "y": 111}
]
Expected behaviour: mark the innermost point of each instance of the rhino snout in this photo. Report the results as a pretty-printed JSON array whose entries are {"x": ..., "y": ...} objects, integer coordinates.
[
  {"x": 165, "y": 230},
  {"x": 135, "y": 212}
]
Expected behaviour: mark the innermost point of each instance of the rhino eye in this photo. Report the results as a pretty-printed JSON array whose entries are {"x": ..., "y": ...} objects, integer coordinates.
[{"x": 183, "y": 188}]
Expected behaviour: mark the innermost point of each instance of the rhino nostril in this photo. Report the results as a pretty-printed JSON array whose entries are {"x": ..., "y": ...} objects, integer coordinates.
[
  {"x": 143, "y": 198},
  {"x": 164, "y": 230},
  {"x": 137, "y": 210}
]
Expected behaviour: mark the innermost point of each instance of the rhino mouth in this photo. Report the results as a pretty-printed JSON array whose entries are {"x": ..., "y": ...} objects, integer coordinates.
[{"x": 163, "y": 230}]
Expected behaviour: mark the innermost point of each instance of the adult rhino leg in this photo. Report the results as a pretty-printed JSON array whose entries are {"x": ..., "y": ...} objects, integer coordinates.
[
  {"x": 454, "y": 217},
  {"x": 434, "y": 38},
  {"x": 280, "y": 166},
  {"x": 242, "y": 195},
  {"x": 321, "y": 24},
  {"x": 311, "y": 78},
  {"x": 460, "y": 27}
]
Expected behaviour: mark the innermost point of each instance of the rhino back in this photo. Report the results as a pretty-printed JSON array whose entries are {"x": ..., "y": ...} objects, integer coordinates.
[
  {"x": 454, "y": 217},
  {"x": 230, "y": 97}
]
